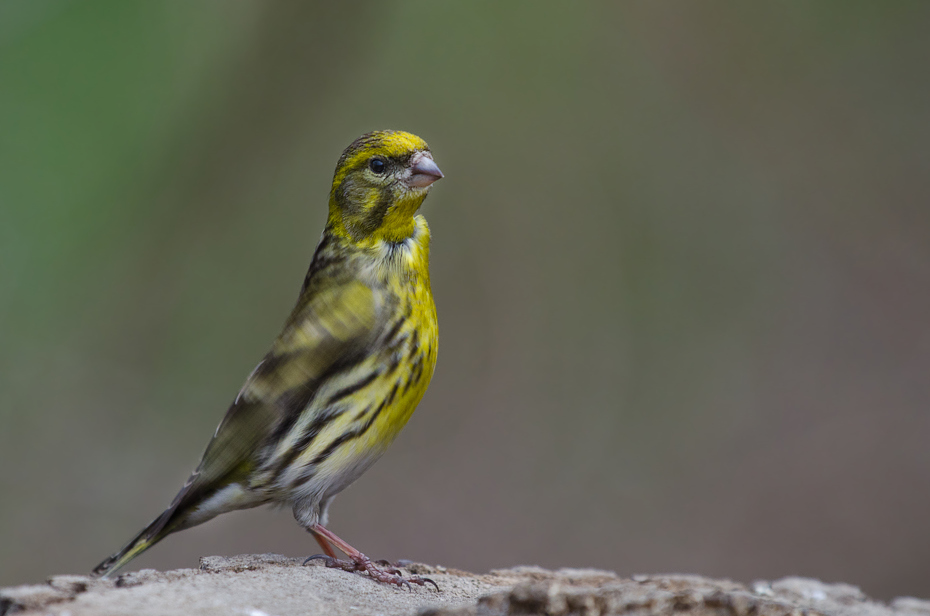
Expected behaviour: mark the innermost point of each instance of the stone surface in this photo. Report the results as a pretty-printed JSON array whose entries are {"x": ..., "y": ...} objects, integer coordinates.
[{"x": 272, "y": 585}]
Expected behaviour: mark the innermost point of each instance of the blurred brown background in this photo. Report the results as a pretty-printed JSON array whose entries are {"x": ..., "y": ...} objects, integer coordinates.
[{"x": 681, "y": 259}]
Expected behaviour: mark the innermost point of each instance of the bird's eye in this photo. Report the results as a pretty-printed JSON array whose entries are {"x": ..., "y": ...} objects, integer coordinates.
[{"x": 376, "y": 165}]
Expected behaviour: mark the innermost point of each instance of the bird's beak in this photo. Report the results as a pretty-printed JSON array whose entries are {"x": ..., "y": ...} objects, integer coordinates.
[{"x": 424, "y": 171}]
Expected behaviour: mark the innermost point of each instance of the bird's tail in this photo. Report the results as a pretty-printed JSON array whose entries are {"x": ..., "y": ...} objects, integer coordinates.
[{"x": 150, "y": 535}]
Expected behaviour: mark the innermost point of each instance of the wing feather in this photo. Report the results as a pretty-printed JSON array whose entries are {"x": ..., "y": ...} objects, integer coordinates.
[
  {"x": 330, "y": 328},
  {"x": 327, "y": 331}
]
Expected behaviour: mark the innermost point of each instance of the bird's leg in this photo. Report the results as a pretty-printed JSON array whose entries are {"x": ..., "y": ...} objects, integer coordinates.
[
  {"x": 327, "y": 548},
  {"x": 359, "y": 562}
]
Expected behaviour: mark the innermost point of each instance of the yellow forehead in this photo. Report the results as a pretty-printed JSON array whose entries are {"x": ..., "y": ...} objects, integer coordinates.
[{"x": 399, "y": 143}]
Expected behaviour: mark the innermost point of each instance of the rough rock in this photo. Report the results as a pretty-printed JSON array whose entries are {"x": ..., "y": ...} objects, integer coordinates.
[{"x": 272, "y": 585}]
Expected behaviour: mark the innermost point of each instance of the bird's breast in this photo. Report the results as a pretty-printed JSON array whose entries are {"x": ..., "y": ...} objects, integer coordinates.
[{"x": 359, "y": 411}]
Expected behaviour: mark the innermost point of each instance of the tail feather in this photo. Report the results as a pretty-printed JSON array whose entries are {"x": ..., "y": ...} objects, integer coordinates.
[
  {"x": 150, "y": 535},
  {"x": 188, "y": 509}
]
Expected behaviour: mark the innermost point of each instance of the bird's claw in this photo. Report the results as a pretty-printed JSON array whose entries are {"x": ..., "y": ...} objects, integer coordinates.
[
  {"x": 388, "y": 567},
  {"x": 386, "y": 572},
  {"x": 335, "y": 563}
]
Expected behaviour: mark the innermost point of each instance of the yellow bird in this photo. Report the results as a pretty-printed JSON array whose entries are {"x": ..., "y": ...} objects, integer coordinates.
[{"x": 345, "y": 374}]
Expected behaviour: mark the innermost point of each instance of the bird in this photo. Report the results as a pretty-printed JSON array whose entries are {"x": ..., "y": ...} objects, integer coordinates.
[{"x": 345, "y": 374}]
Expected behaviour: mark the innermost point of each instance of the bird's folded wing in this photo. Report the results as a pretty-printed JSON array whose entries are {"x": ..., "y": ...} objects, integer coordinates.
[{"x": 330, "y": 328}]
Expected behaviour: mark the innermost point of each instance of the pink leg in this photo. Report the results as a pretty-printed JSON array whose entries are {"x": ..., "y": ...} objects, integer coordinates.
[
  {"x": 321, "y": 539},
  {"x": 359, "y": 562}
]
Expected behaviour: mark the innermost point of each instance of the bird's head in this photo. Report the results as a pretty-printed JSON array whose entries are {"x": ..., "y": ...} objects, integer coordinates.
[{"x": 379, "y": 184}]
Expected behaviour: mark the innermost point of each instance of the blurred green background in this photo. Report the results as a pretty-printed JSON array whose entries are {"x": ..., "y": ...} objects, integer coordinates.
[{"x": 681, "y": 259}]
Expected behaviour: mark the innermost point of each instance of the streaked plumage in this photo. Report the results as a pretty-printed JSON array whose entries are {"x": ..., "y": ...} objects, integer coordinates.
[{"x": 348, "y": 369}]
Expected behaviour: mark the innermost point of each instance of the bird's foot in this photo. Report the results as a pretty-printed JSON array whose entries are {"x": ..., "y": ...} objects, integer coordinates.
[{"x": 381, "y": 571}]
